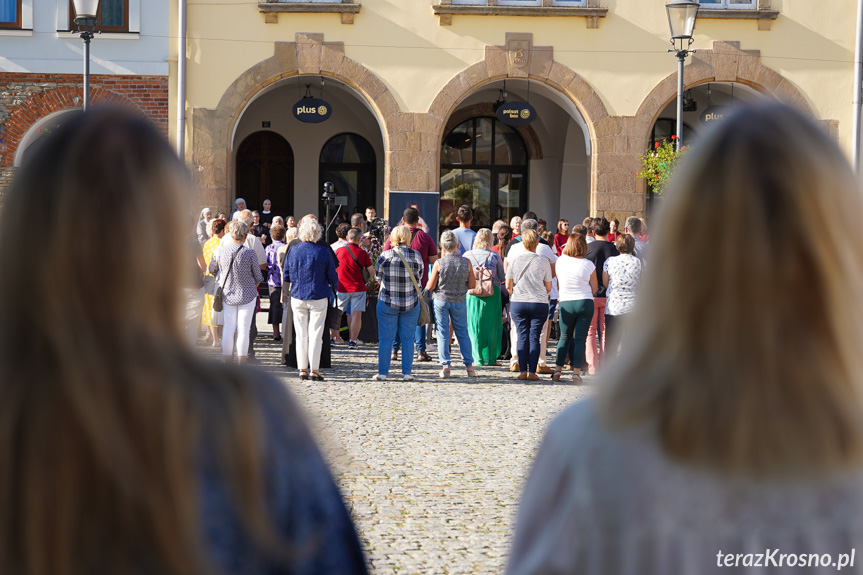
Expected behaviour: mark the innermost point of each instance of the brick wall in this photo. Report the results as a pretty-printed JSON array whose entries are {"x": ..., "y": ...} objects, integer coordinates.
[{"x": 25, "y": 98}]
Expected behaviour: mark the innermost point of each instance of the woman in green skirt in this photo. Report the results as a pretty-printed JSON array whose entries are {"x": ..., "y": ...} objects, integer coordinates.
[{"x": 484, "y": 315}]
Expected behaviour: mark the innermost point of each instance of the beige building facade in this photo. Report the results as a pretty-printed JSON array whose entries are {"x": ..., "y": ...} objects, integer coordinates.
[{"x": 412, "y": 88}]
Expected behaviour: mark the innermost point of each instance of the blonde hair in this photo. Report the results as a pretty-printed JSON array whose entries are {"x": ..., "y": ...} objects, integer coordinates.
[
  {"x": 747, "y": 357},
  {"x": 400, "y": 236},
  {"x": 291, "y": 234},
  {"x": 483, "y": 240},
  {"x": 576, "y": 246},
  {"x": 104, "y": 408},
  {"x": 448, "y": 242},
  {"x": 530, "y": 239}
]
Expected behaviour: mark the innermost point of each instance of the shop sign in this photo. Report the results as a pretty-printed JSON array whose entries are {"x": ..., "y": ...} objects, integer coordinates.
[
  {"x": 714, "y": 114},
  {"x": 516, "y": 113},
  {"x": 312, "y": 110}
]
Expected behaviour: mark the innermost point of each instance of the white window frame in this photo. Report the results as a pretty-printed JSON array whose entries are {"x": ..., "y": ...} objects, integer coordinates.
[
  {"x": 134, "y": 17},
  {"x": 727, "y": 5}
]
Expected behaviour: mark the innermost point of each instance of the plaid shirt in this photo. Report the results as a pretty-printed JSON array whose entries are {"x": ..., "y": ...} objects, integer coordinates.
[{"x": 397, "y": 289}]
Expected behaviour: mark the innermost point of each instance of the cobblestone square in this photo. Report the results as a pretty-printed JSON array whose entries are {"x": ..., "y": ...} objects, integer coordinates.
[{"x": 432, "y": 470}]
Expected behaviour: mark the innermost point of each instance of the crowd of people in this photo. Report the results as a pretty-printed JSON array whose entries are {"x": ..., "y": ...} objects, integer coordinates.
[
  {"x": 730, "y": 429},
  {"x": 496, "y": 291}
]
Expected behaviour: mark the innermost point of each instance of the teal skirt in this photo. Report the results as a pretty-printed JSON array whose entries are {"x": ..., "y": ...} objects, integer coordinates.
[{"x": 485, "y": 326}]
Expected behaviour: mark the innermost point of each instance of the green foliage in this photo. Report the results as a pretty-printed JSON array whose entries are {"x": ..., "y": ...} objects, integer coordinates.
[{"x": 658, "y": 164}]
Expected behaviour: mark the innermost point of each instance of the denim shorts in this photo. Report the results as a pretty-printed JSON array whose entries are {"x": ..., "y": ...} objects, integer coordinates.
[{"x": 350, "y": 302}]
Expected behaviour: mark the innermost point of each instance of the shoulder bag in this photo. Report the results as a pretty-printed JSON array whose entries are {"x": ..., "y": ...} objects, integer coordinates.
[
  {"x": 484, "y": 279},
  {"x": 217, "y": 297},
  {"x": 424, "y": 317}
]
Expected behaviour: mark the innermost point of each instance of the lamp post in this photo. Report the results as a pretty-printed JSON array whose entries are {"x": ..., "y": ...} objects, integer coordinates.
[
  {"x": 681, "y": 20},
  {"x": 85, "y": 18}
]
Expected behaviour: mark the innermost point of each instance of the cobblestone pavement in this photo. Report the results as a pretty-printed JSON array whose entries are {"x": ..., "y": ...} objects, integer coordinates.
[{"x": 432, "y": 470}]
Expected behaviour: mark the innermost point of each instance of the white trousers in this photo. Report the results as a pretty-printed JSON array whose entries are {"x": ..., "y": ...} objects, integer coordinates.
[
  {"x": 309, "y": 316},
  {"x": 238, "y": 318}
]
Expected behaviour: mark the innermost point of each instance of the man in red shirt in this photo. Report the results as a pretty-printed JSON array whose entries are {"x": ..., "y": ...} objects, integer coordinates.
[
  {"x": 427, "y": 248},
  {"x": 352, "y": 287}
]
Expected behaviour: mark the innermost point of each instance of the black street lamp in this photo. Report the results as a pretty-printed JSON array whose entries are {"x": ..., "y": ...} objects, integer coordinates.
[
  {"x": 85, "y": 18},
  {"x": 681, "y": 21}
]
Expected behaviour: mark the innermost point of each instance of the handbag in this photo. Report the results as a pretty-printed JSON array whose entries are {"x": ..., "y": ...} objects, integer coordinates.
[
  {"x": 217, "y": 297},
  {"x": 425, "y": 316},
  {"x": 334, "y": 314}
]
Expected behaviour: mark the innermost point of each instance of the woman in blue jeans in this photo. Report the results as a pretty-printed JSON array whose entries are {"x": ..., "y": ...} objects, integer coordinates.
[
  {"x": 450, "y": 279},
  {"x": 528, "y": 280},
  {"x": 398, "y": 303}
]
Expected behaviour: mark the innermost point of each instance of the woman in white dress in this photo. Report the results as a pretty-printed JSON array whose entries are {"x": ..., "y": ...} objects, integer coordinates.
[{"x": 729, "y": 433}]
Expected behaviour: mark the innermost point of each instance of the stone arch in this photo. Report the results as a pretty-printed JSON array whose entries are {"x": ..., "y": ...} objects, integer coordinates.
[
  {"x": 500, "y": 63},
  {"x": 726, "y": 62},
  {"x": 28, "y": 113},
  {"x": 212, "y": 130}
]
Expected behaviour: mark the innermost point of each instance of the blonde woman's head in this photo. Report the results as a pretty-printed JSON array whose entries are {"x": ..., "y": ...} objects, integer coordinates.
[
  {"x": 483, "y": 240},
  {"x": 400, "y": 236},
  {"x": 746, "y": 348},
  {"x": 530, "y": 239}
]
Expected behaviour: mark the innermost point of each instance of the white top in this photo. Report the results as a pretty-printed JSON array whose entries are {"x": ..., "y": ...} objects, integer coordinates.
[
  {"x": 624, "y": 273},
  {"x": 573, "y": 277},
  {"x": 601, "y": 502},
  {"x": 541, "y": 250},
  {"x": 589, "y": 239},
  {"x": 338, "y": 244}
]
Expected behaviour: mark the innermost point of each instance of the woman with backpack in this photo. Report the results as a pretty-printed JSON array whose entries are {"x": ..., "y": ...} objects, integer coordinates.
[
  {"x": 484, "y": 307},
  {"x": 450, "y": 279}
]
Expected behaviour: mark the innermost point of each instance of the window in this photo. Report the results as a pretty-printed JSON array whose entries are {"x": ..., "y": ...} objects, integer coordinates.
[
  {"x": 730, "y": 4},
  {"x": 113, "y": 16},
  {"x": 484, "y": 165},
  {"x": 10, "y": 14}
]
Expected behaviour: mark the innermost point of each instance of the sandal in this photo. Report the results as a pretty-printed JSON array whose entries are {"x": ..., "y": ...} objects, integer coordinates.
[
  {"x": 532, "y": 377},
  {"x": 317, "y": 376},
  {"x": 445, "y": 372},
  {"x": 304, "y": 374},
  {"x": 522, "y": 376},
  {"x": 471, "y": 372},
  {"x": 576, "y": 378},
  {"x": 556, "y": 375}
]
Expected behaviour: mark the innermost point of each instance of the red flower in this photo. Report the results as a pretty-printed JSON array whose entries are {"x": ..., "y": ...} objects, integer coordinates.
[
  {"x": 656, "y": 145},
  {"x": 673, "y": 137}
]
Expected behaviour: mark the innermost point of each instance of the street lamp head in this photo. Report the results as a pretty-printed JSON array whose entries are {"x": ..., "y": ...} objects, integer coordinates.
[
  {"x": 85, "y": 12},
  {"x": 681, "y": 18}
]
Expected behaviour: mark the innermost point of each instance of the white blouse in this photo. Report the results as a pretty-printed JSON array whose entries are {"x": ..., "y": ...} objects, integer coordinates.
[{"x": 601, "y": 502}]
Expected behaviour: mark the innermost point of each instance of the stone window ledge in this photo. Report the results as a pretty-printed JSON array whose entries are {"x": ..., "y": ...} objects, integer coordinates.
[
  {"x": 764, "y": 17},
  {"x": 447, "y": 11},
  {"x": 71, "y": 35},
  {"x": 272, "y": 8},
  {"x": 15, "y": 32}
]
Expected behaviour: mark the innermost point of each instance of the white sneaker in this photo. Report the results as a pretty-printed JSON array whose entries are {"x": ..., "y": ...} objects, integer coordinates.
[
  {"x": 408, "y": 377},
  {"x": 379, "y": 377}
]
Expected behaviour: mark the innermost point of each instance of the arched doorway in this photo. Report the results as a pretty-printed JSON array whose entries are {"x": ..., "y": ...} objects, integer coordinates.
[
  {"x": 484, "y": 165},
  {"x": 265, "y": 170},
  {"x": 348, "y": 161}
]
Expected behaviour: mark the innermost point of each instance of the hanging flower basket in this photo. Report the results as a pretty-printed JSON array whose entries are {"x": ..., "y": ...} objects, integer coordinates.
[{"x": 658, "y": 164}]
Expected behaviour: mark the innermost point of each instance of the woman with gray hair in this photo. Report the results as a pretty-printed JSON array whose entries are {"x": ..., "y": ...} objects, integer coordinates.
[
  {"x": 484, "y": 314},
  {"x": 450, "y": 278},
  {"x": 238, "y": 267},
  {"x": 311, "y": 271}
]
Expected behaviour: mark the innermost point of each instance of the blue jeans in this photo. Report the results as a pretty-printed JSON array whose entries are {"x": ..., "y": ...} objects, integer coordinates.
[
  {"x": 457, "y": 312},
  {"x": 393, "y": 326},
  {"x": 529, "y": 318},
  {"x": 420, "y": 333}
]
